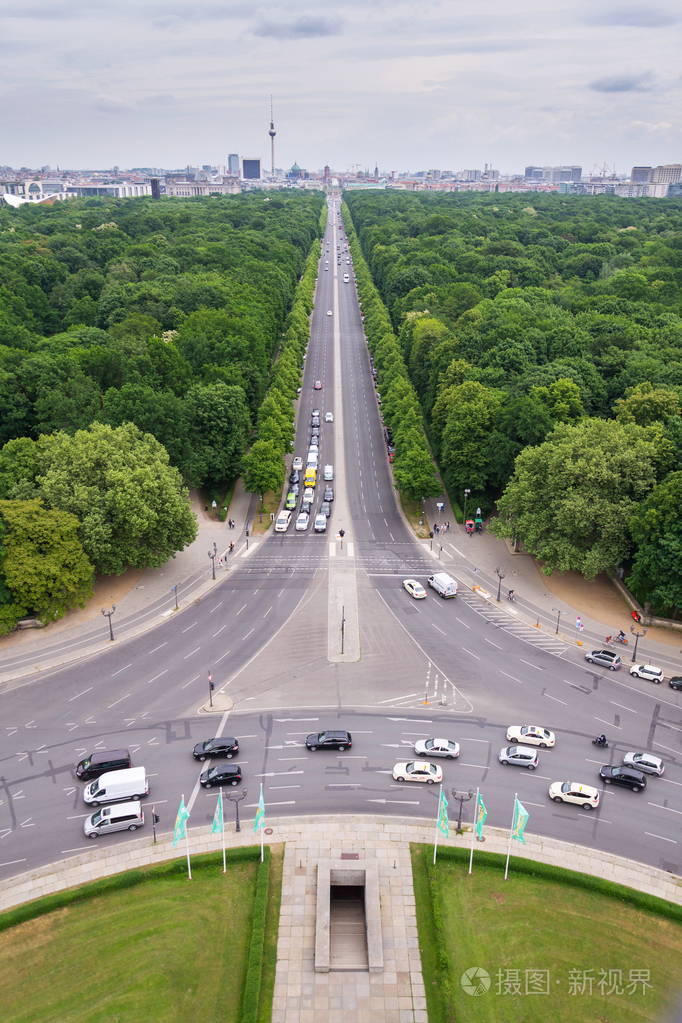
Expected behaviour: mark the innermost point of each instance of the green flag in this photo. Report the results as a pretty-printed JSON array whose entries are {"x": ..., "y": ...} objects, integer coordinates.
[
  {"x": 443, "y": 823},
  {"x": 481, "y": 816},
  {"x": 180, "y": 828},
  {"x": 520, "y": 821},
  {"x": 259, "y": 819},
  {"x": 217, "y": 825}
]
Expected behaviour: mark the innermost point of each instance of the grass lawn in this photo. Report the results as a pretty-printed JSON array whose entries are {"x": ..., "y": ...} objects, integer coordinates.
[
  {"x": 536, "y": 932},
  {"x": 165, "y": 949},
  {"x": 413, "y": 511},
  {"x": 261, "y": 520}
]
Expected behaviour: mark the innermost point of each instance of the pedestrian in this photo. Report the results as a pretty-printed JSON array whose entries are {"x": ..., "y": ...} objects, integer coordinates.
[
  {"x": 436, "y": 528},
  {"x": 579, "y": 624},
  {"x": 478, "y": 513},
  {"x": 510, "y": 595}
]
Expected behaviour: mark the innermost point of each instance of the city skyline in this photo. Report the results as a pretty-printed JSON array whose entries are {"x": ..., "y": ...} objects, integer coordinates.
[{"x": 353, "y": 85}]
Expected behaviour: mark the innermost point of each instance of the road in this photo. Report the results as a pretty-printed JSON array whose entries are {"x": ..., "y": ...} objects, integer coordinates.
[{"x": 270, "y": 636}]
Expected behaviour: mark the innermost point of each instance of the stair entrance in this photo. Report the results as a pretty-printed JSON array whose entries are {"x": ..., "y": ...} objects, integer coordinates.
[{"x": 348, "y": 928}]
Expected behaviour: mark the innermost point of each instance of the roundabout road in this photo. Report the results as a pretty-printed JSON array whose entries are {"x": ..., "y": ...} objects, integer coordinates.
[{"x": 457, "y": 668}]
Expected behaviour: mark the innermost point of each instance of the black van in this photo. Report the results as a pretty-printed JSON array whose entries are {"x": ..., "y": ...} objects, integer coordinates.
[{"x": 103, "y": 760}]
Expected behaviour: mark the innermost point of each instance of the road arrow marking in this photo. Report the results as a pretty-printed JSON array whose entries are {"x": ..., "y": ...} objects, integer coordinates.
[
  {"x": 70, "y": 791},
  {"x": 403, "y": 802},
  {"x": 297, "y": 719}
]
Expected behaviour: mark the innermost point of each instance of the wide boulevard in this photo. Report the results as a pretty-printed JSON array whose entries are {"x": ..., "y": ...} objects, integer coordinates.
[{"x": 310, "y": 631}]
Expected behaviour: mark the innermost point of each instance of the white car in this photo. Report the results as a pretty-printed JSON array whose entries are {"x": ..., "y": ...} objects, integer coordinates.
[
  {"x": 437, "y": 748},
  {"x": 645, "y": 762},
  {"x": 414, "y": 589},
  {"x": 282, "y": 522},
  {"x": 329, "y": 417},
  {"x": 302, "y": 522},
  {"x": 329, "y": 312},
  {"x": 309, "y": 494},
  {"x": 519, "y": 756},
  {"x": 647, "y": 671},
  {"x": 320, "y": 523},
  {"x": 573, "y": 792},
  {"x": 532, "y": 735},
  {"x": 418, "y": 770},
  {"x": 297, "y": 463}
]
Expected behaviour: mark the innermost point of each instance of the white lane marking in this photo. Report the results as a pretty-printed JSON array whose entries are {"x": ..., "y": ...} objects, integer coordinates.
[
  {"x": 436, "y": 627},
  {"x": 79, "y": 848},
  {"x": 673, "y": 751},
  {"x": 10, "y": 863},
  {"x": 669, "y": 808},
  {"x": 240, "y": 610},
  {"x": 609, "y": 723},
  {"x": 392, "y": 699},
  {"x": 512, "y": 677},
  {"x": 189, "y": 627},
  {"x": 344, "y": 785},
  {"x": 150, "y": 680},
  {"x": 273, "y": 788},
  {"x": 124, "y": 668},
  {"x": 669, "y": 781},
  {"x": 192, "y": 653},
  {"x": 527, "y": 802},
  {"x": 496, "y": 645},
  {"x": 190, "y": 682},
  {"x": 297, "y": 719},
  {"x": 248, "y": 633},
  {"x": 221, "y": 658},
  {"x": 78, "y": 695},
  {"x": 530, "y": 665},
  {"x": 215, "y": 607},
  {"x": 282, "y": 802},
  {"x": 159, "y": 647},
  {"x": 414, "y": 721},
  {"x": 661, "y": 838},
  {"x": 267, "y": 612},
  {"x": 292, "y": 758},
  {"x": 274, "y": 774},
  {"x": 120, "y": 700},
  {"x": 623, "y": 707},
  {"x": 479, "y": 767},
  {"x": 556, "y": 699},
  {"x": 471, "y": 653},
  {"x": 218, "y": 631},
  {"x": 461, "y": 622}
]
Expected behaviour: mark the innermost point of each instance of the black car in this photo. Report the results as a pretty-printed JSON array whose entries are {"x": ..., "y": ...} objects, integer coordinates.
[
  {"x": 328, "y": 494},
  {"x": 294, "y": 476},
  {"x": 625, "y": 776},
  {"x": 225, "y": 747},
  {"x": 329, "y": 740},
  {"x": 325, "y": 509},
  {"x": 228, "y": 774},
  {"x": 675, "y": 682},
  {"x": 314, "y": 420}
]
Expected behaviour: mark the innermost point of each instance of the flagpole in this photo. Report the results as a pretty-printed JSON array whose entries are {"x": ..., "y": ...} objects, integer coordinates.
[
  {"x": 222, "y": 832},
  {"x": 473, "y": 830},
  {"x": 435, "y": 843},
  {"x": 511, "y": 830},
  {"x": 189, "y": 865}
]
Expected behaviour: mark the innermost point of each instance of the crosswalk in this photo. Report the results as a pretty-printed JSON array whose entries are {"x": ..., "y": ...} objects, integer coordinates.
[{"x": 508, "y": 621}]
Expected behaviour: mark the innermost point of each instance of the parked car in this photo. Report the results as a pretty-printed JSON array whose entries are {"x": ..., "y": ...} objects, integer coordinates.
[
  {"x": 607, "y": 658},
  {"x": 414, "y": 588},
  {"x": 295, "y": 476},
  {"x": 574, "y": 792},
  {"x": 325, "y": 509},
  {"x": 282, "y": 521},
  {"x": 627, "y": 777},
  {"x": 647, "y": 763},
  {"x": 418, "y": 770},
  {"x": 437, "y": 748},
  {"x": 227, "y": 746},
  {"x": 337, "y": 739},
  {"x": 328, "y": 494},
  {"x": 532, "y": 735},
  {"x": 519, "y": 756},
  {"x": 649, "y": 672},
  {"x": 320, "y": 525},
  {"x": 226, "y": 774},
  {"x": 297, "y": 463},
  {"x": 329, "y": 417}
]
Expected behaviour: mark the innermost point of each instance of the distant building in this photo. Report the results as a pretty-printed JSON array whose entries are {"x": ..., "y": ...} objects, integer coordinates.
[
  {"x": 554, "y": 175},
  {"x": 233, "y": 164},
  {"x": 675, "y": 190},
  {"x": 192, "y": 189},
  {"x": 122, "y": 190},
  {"x": 640, "y": 175},
  {"x": 251, "y": 170},
  {"x": 667, "y": 174}
]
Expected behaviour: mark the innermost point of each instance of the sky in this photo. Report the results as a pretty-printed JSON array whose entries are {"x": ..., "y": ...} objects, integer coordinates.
[{"x": 405, "y": 85}]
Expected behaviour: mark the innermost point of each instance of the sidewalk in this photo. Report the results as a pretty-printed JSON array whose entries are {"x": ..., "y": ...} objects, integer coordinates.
[
  {"x": 135, "y": 593},
  {"x": 540, "y": 598}
]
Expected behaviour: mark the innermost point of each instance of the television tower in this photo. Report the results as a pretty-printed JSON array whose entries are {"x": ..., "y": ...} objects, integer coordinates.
[{"x": 272, "y": 134}]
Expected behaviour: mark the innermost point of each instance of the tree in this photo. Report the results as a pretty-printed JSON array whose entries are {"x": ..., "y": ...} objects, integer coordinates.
[
  {"x": 415, "y": 474},
  {"x": 571, "y": 498},
  {"x": 218, "y": 424},
  {"x": 44, "y": 565},
  {"x": 131, "y": 503},
  {"x": 263, "y": 467},
  {"x": 645, "y": 404},
  {"x": 656, "y": 575},
  {"x": 463, "y": 419}
]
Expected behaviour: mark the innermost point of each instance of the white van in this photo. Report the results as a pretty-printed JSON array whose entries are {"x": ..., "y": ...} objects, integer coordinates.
[
  {"x": 115, "y": 786},
  {"x": 443, "y": 584},
  {"x": 124, "y": 817},
  {"x": 282, "y": 521},
  {"x": 328, "y": 473},
  {"x": 312, "y": 460}
]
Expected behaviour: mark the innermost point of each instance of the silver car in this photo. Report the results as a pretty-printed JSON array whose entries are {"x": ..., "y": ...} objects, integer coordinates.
[
  {"x": 437, "y": 748},
  {"x": 519, "y": 756},
  {"x": 647, "y": 763}
]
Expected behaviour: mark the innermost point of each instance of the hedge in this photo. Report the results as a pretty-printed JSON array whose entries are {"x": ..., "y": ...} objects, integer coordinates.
[{"x": 254, "y": 969}]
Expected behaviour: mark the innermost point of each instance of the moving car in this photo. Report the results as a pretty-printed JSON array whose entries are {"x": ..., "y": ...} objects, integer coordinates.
[
  {"x": 573, "y": 792},
  {"x": 437, "y": 748},
  {"x": 443, "y": 584},
  {"x": 607, "y": 658},
  {"x": 328, "y": 494},
  {"x": 226, "y": 747},
  {"x": 226, "y": 774},
  {"x": 318, "y": 385},
  {"x": 102, "y": 761},
  {"x": 302, "y": 522},
  {"x": 320, "y": 523},
  {"x": 627, "y": 777},
  {"x": 329, "y": 417},
  {"x": 418, "y": 770},
  {"x": 124, "y": 817},
  {"x": 329, "y": 312},
  {"x": 647, "y": 671},
  {"x": 297, "y": 463},
  {"x": 519, "y": 756},
  {"x": 117, "y": 786},
  {"x": 533, "y": 735},
  {"x": 414, "y": 588},
  {"x": 675, "y": 682},
  {"x": 282, "y": 522},
  {"x": 328, "y": 473},
  {"x": 331, "y": 739},
  {"x": 647, "y": 763},
  {"x": 325, "y": 509}
]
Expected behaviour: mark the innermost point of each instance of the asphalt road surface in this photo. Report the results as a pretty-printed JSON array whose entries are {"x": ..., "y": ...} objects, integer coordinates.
[{"x": 457, "y": 668}]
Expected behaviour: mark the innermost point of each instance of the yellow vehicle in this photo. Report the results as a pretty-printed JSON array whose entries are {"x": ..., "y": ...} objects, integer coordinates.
[{"x": 310, "y": 478}]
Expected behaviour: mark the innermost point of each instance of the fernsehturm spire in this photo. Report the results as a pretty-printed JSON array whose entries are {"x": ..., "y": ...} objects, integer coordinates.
[{"x": 272, "y": 134}]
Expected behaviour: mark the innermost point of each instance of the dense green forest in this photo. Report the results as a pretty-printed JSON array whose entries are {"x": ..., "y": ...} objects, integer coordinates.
[
  {"x": 137, "y": 340},
  {"x": 543, "y": 336}
]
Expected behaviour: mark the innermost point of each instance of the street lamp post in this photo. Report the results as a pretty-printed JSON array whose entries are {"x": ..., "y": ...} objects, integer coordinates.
[
  {"x": 637, "y": 633},
  {"x": 558, "y": 616},
  {"x": 467, "y": 491},
  {"x": 236, "y": 799},
  {"x": 174, "y": 590},
  {"x": 212, "y": 556},
  {"x": 500, "y": 576},
  {"x": 211, "y": 687},
  {"x": 463, "y": 798},
  {"x": 108, "y": 614}
]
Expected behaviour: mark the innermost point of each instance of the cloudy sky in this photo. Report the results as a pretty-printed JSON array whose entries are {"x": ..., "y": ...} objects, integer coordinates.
[{"x": 410, "y": 85}]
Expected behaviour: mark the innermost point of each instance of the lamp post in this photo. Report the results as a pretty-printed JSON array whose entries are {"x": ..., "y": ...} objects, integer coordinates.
[
  {"x": 174, "y": 590},
  {"x": 463, "y": 798},
  {"x": 636, "y": 633},
  {"x": 236, "y": 799},
  {"x": 108, "y": 614},
  {"x": 212, "y": 556},
  {"x": 558, "y": 616},
  {"x": 500, "y": 576},
  {"x": 211, "y": 687},
  {"x": 467, "y": 491}
]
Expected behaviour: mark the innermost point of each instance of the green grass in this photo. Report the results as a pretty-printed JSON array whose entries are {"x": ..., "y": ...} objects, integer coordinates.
[
  {"x": 414, "y": 513},
  {"x": 149, "y": 945},
  {"x": 261, "y": 520},
  {"x": 540, "y": 919}
]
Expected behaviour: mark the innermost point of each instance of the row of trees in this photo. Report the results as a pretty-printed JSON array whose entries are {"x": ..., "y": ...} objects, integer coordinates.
[
  {"x": 544, "y": 341},
  {"x": 413, "y": 468}
]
